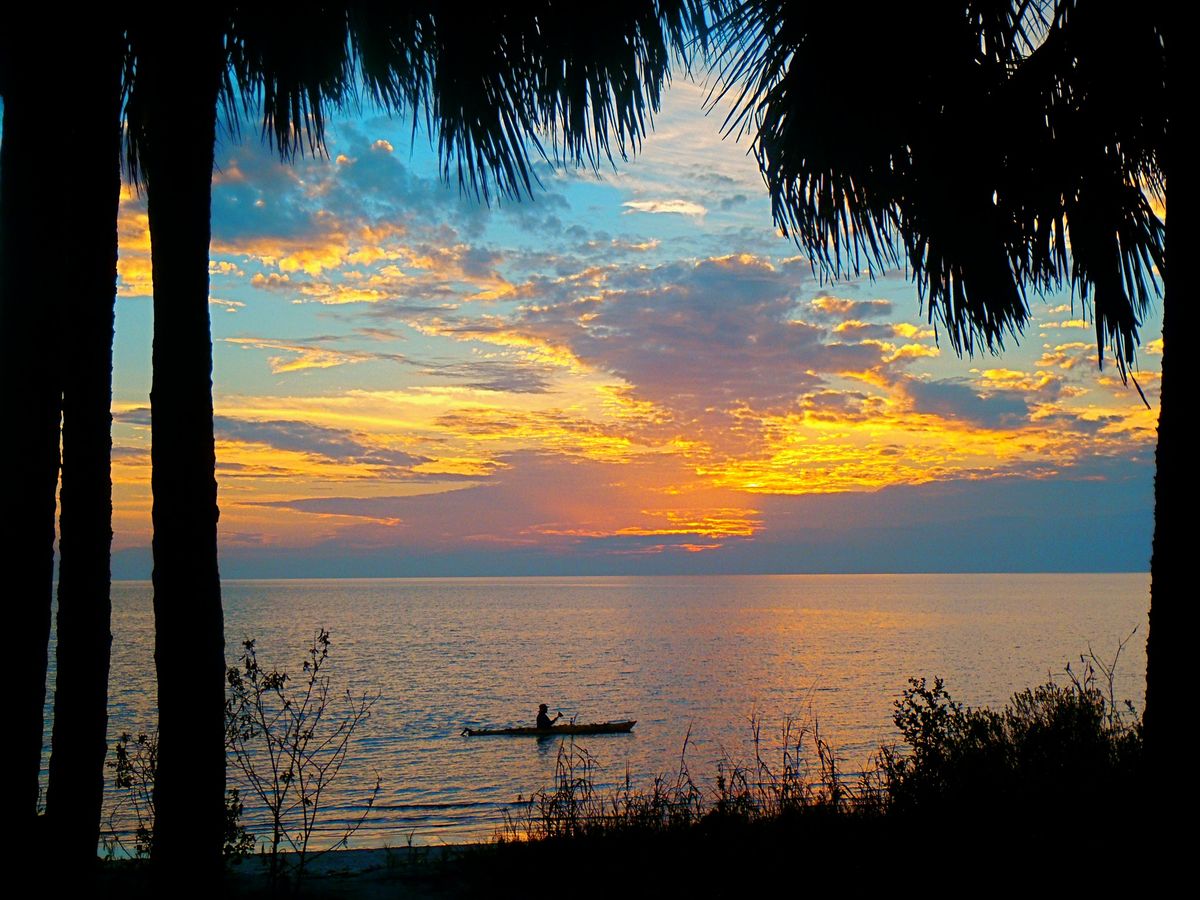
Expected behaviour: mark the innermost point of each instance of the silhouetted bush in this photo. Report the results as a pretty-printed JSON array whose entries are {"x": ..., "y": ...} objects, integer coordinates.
[
  {"x": 1036, "y": 794},
  {"x": 1052, "y": 751},
  {"x": 1055, "y": 746},
  {"x": 135, "y": 765},
  {"x": 288, "y": 739}
]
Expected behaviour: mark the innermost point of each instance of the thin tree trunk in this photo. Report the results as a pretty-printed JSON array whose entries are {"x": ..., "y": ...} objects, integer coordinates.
[
  {"x": 89, "y": 250},
  {"x": 1171, "y": 581},
  {"x": 28, "y": 345},
  {"x": 179, "y": 69}
]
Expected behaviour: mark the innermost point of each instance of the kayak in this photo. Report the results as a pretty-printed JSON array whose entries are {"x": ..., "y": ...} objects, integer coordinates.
[{"x": 591, "y": 728}]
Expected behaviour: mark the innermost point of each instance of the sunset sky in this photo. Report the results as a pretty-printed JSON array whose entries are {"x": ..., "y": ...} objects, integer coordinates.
[{"x": 631, "y": 373}]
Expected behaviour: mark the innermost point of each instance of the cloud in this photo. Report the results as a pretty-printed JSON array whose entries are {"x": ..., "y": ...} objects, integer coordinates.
[
  {"x": 958, "y": 401},
  {"x": 677, "y": 207},
  {"x": 853, "y": 329},
  {"x": 304, "y": 452},
  {"x": 539, "y": 499},
  {"x": 133, "y": 238},
  {"x": 303, "y": 437},
  {"x": 1068, "y": 356},
  {"x": 700, "y": 340},
  {"x": 494, "y": 375},
  {"x": 839, "y": 309},
  {"x": 138, "y": 415},
  {"x": 296, "y": 356},
  {"x": 842, "y": 406},
  {"x": 362, "y": 228},
  {"x": 317, "y": 353},
  {"x": 1080, "y": 423},
  {"x": 546, "y": 514}
]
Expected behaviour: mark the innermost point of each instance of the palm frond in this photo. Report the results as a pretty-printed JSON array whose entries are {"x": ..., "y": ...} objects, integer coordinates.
[
  {"x": 498, "y": 90},
  {"x": 156, "y": 36},
  {"x": 526, "y": 82},
  {"x": 995, "y": 147},
  {"x": 295, "y": 65}
]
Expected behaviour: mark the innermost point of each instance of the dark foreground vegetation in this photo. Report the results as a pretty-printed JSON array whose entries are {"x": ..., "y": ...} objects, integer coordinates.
[{"x": 1046, "y": 794}]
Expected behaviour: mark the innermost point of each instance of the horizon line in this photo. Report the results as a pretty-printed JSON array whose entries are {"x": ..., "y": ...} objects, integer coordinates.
[{"x": 607, "y": 575}]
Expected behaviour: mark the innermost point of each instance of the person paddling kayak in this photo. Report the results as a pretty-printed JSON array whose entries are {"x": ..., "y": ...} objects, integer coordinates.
[{"x": 543, "y": 720}]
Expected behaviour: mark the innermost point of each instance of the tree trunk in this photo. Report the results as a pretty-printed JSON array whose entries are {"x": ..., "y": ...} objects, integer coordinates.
[
  {"x": 1171, "y": 581},
  {"x": 88, "y": 245},
  {"x": 179, "y": 71},
  {"x": 28, "y": 349}
]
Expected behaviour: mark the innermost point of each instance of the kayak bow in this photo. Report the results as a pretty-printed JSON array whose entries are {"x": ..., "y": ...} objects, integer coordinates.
[{"x": 591, "y": 728}]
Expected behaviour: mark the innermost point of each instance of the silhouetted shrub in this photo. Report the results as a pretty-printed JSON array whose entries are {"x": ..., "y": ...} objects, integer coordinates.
[
  {"x": 288, "y": 739},
  {"x": 1055, "y": 746},
  {"x": 135, "y": 765}
]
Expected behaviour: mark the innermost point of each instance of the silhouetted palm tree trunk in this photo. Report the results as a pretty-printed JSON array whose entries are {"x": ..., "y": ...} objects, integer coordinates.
[
  {"x": 179, "y": 72},
  {"x": 1169, "y": 653},
  {"x": 28, "y": 369},
  {"x": 91, "y": 187}
]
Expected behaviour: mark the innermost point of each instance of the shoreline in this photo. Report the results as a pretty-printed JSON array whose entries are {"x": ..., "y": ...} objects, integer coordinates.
[
  {"x": 854, "y": 855},
  {"x": 418, "y": 872}
]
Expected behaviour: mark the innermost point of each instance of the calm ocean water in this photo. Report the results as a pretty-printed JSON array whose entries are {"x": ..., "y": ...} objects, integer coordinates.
[{"x": 703, "y": 654}]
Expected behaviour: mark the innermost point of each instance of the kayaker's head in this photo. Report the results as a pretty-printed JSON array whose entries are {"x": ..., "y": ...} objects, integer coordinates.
[{"x": 542, "y": 708}]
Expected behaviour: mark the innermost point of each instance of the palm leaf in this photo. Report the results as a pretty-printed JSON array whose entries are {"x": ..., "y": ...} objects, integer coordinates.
[{"x": 995, "y": 148}]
